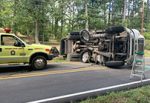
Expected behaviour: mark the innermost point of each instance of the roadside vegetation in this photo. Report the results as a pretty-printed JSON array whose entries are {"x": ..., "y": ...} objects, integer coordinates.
[
  {"x": 147, "y": 53},
  {"x": 147, "y": 45},
  {"x": 58, "y": 60},
  {"x": 45, "y": 20},
  {"x": 139, "y": 95}
]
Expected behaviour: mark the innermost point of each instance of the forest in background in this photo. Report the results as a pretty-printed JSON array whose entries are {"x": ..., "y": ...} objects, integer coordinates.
[{"x": 54, "y": 19}]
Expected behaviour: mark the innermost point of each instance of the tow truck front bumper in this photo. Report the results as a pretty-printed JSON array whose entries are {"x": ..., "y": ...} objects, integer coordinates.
[
  {"x": 55, "y": 53},
  {"x": 51, "y": 56}
]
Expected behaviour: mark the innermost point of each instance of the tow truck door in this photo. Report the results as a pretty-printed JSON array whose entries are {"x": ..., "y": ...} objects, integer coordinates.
[{"x": 9, "y": 53}]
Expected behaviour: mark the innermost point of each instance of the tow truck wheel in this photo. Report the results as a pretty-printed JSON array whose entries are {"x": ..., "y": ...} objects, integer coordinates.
[
  {"x": 38, "y": 63},
  {"x": 85, "y": 57}
]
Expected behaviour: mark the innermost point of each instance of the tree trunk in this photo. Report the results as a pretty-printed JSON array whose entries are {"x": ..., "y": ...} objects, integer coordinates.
[
  {"x": 110, "y": 12},
  {"x": 62, "y": 26},
  {"x": 113, "y": 13},
  {"x": 52, "y": 26},
  {"x": 124, "y": 11},
  {"x": 86, "y": 15},
  {"x": 62, "y": 19},
  {"x": 36, "y": 31},
  {"x": 56, "y": 28},
  {"x": 15, "y": 12},
  {"x": 148, "y": 11}
]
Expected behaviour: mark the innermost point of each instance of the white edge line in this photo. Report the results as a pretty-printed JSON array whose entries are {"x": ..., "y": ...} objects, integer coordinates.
[{"x": 86, "y": 92}]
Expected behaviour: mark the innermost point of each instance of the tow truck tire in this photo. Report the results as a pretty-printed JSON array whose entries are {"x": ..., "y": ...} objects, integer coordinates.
[
  {"x": 85, "y": 56},
  {"x": 38, "y": 63},
  {"x": 114, "y": 63}
]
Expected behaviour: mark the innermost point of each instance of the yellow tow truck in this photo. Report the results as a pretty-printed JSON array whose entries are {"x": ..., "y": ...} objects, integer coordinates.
[{"x": 15, "y": 50}]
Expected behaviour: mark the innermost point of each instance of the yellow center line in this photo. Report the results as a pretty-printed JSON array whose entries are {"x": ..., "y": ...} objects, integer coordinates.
[{"x": 27, "y": 75}]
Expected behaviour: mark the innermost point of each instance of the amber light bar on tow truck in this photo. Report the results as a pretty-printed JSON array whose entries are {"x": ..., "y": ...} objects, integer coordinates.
[{"x": 7, "y": 30}]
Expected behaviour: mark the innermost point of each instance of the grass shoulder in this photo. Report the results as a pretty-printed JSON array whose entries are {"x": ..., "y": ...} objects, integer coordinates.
[
  {"x": 139, "y": 95},
  {"x": 59, "y": 59},
  {"x": 147, "y": 53}
]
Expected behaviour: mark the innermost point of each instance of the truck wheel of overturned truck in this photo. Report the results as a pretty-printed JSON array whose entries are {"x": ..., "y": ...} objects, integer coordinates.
[
  {"x": 114, "y": 63},
  {"x": 85, "y": 36},
  {"x": 115, "y": 30},
  {"x": 85, "y": 56},
  {"x": 62, "y": 46},
  {"x": 74, "y": 36},
  {"x": 38, "y": 63}
]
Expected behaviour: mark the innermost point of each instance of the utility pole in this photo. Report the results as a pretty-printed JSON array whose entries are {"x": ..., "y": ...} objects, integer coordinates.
[{"x": 142, "y": 18}]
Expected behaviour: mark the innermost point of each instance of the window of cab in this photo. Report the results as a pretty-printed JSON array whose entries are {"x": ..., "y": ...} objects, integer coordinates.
[{"x": 8, "y": 40}]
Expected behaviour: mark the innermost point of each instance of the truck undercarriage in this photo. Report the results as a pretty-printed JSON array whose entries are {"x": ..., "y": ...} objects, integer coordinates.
[{"x": 113, "y": 46}]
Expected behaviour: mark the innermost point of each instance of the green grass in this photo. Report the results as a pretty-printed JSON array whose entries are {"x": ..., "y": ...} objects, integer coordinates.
[
  {"x": 147, "y": 53},
  {"x": 58, "y": 59},
  {"x": 139, "y": 95},
  {"x": 147, "y": 44}
]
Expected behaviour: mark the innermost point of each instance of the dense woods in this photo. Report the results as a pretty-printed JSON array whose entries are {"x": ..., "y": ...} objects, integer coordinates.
[{"x": 53, "y": 19}]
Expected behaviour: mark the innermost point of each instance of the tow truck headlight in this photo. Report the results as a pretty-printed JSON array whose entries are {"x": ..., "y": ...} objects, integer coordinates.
[{"x": 48, "y": 50}]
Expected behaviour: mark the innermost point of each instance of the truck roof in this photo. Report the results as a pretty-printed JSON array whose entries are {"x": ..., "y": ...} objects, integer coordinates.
[{"x": 6, "y": 34}]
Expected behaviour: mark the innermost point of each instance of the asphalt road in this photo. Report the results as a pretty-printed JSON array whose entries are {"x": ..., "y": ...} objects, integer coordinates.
[{"x": 17, "y": 85}]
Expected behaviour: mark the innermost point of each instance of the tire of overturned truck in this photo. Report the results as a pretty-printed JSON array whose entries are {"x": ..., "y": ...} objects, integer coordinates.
[
  {"x": 115, "y": 29},
  {"x": 74, "y": 36},
  {"x": 85, "y": 36},
  {"x": 86, "y": 56},
  {"x": 114, "y": 63},
  {"x": 62, "y": 46}
]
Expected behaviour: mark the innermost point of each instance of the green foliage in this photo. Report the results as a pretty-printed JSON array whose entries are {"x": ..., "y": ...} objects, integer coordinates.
[
  {"x": 147, "y": 44},
  {"x": 6, "y": 13},
  {"x": 147, "y": 25},
  {"x": 59, "y": 60},
  {"x": 147, "y": 35},
  {"x": 58, "y": 17}
]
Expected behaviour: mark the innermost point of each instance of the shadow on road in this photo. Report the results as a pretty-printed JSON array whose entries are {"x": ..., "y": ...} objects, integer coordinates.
[
  {"x": 9, "y": 69},
  {"x": 22, "y": 69},
  {"x": 123, "y": 67}
]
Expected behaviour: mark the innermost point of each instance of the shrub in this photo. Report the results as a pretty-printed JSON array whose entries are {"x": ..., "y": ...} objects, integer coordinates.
[
  {"x": 147, "y": 44},
  {"x": 147, "y": 35}
]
